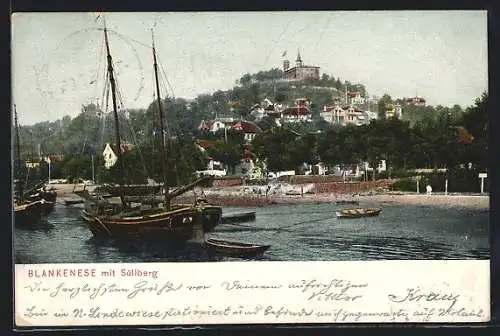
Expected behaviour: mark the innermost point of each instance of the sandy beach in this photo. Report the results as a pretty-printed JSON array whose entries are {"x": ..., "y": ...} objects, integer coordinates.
[{"x": 232, "y": 196}]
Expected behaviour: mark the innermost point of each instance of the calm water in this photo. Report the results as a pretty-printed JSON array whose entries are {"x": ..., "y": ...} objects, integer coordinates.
[{"x": 296, "y": 232}]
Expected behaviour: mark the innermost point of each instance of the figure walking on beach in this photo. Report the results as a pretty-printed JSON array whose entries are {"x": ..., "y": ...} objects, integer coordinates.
[{"x": 429, "y": 190}]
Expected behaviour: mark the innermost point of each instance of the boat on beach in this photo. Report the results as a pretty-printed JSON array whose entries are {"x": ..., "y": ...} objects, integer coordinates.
[
  {"x": 181, "y": 222},
  {"x": 234, "y": 249},
  {"x": 358, "y": 213}
]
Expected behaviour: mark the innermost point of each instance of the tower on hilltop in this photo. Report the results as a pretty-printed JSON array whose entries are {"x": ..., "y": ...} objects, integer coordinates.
[{"x": 299, "y": 72}]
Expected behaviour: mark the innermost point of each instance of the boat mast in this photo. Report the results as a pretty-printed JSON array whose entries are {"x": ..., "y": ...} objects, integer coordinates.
[
  {"x": 115, "y": 113},
  {"x": 162, "y": 147},
  {"x": 18, "y": 153}
]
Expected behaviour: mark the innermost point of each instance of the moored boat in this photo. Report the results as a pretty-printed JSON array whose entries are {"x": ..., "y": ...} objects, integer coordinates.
[
  {"x": 347, "y": 202},
  {"x": 28, "y": 214},
  {"x": 240, "y": 217},
  {"x": 235, "y": 249},
  {"x": 181, "y": 222},
  {"x": 357, "y": 213},
  {"x": 28, "y": 207}
]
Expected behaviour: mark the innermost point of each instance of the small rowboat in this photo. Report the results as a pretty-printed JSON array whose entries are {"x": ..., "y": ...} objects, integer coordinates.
[
  {"x": 348, "y": 202},
  {"x": 357, "y": 213},
  {"x": 235, "y": 249},
  {"x": 238, "y": 217}
]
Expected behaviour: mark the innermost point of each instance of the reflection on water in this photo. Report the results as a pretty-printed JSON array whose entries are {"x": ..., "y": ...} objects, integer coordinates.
[{"x": 295, "y": 232}]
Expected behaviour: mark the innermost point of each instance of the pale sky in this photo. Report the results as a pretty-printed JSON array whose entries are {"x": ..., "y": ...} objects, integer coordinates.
[{"x": 57, "y": 57}]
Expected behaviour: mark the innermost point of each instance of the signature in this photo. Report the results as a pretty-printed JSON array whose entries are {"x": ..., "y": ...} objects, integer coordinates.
[{"x": 417, "y": 295}]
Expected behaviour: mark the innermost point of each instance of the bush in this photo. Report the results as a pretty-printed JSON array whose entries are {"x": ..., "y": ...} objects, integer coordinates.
[{"x": 406, "y": 184}]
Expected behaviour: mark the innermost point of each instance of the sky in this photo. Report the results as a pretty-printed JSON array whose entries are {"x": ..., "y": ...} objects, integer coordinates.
[{"x": 58, "y": 60}]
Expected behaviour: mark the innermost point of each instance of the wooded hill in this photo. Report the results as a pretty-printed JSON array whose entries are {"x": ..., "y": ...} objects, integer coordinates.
[{"x": 89, "y": 131}]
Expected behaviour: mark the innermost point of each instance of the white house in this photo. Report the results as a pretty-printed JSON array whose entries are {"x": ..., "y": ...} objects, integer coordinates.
[
  {"x": 213, "y": 167},
  {"x": 354, "y": 98},
  {"x": 109, "y": 153},
  {"x": 355, "y": 116},
  {"x": 249, "y": 129},
  {"x": 213, "y": 126},
  {"x": 333, "y": 114}
]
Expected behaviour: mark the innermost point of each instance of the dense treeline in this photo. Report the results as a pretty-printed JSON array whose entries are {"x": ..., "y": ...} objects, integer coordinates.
[{"x": 434, "y": 142}]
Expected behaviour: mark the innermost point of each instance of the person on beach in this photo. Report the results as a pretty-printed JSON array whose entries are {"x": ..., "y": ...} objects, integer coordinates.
[{"x": 429, "y": 190}]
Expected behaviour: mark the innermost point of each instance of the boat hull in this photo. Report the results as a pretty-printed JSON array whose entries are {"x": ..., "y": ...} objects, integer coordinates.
[
  {"x": 357, "y": 213},
  {"x": 235, "y": 249},
  {"x": 180, "y": 224},
  {"x": 238, "y": 218},
  {"x": 28, "y": 215},
  {"x": 49, "y": 198}
]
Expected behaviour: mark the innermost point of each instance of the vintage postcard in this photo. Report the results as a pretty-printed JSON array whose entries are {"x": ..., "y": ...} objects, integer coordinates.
[{"x": 250, "y": 167}]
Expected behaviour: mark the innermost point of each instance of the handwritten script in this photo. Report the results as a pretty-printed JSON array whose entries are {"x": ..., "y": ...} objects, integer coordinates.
[{"x": 178, "y": 298}]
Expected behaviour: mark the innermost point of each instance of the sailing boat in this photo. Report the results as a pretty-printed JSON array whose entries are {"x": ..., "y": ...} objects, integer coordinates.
[
  {"x": 182, "y": 222},
  {"x": 27, "y": 211}
]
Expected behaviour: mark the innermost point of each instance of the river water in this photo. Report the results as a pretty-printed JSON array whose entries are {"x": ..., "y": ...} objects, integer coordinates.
[{"x": 295, "y": 232}]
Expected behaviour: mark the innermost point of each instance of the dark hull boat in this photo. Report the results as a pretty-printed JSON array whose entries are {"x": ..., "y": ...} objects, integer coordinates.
[
  {"x": 235, "y": 249},
  {"x": 49, "y": 198},
  {"x": 358, "y": 213},
  {"x": 348, "y": 202},
  {"x": 28, "y": 214},
  {"x": 180, "y": 223},
  {"x": 124, "y": 221},
  {"x": 238, "y": 217}
]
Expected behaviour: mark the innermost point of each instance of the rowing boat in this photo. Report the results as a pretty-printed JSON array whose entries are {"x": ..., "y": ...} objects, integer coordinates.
[
  {"x": 357, "y": 213},
  {"x": 235, "y": 249}
]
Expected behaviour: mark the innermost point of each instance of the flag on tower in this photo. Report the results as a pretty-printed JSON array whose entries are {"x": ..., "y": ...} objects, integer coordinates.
[{"x": 284, "y": 54}]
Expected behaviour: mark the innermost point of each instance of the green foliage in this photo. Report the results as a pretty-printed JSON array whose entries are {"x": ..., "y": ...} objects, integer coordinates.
[
  {"x": 425, "y": 138},
  {"x": 407, "y": 184}
]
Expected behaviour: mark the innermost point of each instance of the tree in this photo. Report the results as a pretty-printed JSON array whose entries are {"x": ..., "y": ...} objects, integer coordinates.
[{"x": 383, "y": 104}]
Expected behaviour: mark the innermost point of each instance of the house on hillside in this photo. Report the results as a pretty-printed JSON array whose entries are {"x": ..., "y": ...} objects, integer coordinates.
[
  {"x": 296, "y": 114},
  {"x": 250, "y": 129},
  {"x": 213, "y": 167},
  {"x": 342, "y": 116},
  {"x": 416, "y": 101},
  {"x": 353, "y": 115},
  {"x": 215, "y": 125},
  {"x": 109, "y": 153},
  {"x": 333, "y": 114},
  {"x": 266, "y": 109},
  {"x": 354, "y": 97}
]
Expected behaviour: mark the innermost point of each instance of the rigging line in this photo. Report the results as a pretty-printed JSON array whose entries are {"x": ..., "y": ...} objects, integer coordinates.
[
  {"x": 124, "y": 37},
  {"x": 98, "y": 70},
  {"x": 136, "y": 54},
  {"x": 164, "y": 74},
  {"x": 127, "y": 121}
]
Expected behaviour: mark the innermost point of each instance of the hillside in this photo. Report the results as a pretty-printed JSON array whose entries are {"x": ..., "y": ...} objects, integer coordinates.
[{"x": 92, "y": 128}]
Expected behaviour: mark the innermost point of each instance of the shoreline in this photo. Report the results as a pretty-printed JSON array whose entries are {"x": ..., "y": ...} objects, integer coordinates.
[{"x": 228, "y": 197}]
